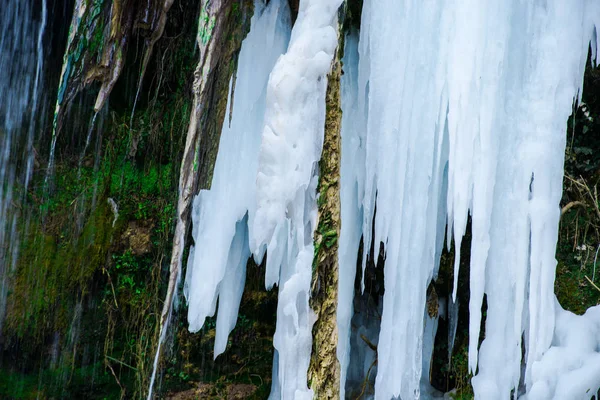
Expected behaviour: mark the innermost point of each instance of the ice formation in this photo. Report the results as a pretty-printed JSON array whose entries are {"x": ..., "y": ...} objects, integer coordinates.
[
  {"x": 570, "y": 369},
  {"x": 221, "y": 215},
  {"x": 281, "y": 206},
  {"x": 468, "y": 119},
  {"x": 439, "y": 124},
  {"x": 286, "y": 186}
]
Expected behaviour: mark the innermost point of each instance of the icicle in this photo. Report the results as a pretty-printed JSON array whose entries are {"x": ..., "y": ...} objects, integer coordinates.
[
  {"x": 453, "y": 308},
  {"x": 543, "y": 74},
  {"x": 429, "y": 331},
  {"x": 363, "y": 106},
  {"x": 405, "y": 162},
  {"x": 232, "y": 286},
  {"x": 269, "y": 40}
]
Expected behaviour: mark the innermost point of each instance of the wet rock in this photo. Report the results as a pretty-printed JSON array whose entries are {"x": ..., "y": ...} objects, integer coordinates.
[
  {"x": 234, "y": 391},
  {"x": 137, "y": 237}
]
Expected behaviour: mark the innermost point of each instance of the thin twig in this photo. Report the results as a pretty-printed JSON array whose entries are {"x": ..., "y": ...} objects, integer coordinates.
[
  {"x": 366, "y": 381},
  {"x": 239, "y": 370},
  {"x": 112, "y": 287},
  {"x": 120, "y": 362},
  {"x": 117, "y": 379},
  {"x": 592, "y": 283},
  {"x": 259, "y": 377},
  {"x": 595, "y": 259}
]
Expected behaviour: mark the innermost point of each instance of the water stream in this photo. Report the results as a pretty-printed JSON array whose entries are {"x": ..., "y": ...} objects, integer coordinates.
[{"x": 22, "y": 27}]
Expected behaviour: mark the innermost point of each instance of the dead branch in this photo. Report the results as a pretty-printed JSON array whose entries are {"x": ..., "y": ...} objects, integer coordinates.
[
  {"x": 572, "y": 204},
  {"x": 117, "y": 379},
  {"x": 366, "y": 381}
]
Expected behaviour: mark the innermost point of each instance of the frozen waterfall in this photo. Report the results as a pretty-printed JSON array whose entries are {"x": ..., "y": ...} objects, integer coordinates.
[{"x": 451, "y": 109}]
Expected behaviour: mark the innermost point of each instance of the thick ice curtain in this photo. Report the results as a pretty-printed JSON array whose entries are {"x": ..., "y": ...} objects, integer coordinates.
[{"x": 473, "y": 95}]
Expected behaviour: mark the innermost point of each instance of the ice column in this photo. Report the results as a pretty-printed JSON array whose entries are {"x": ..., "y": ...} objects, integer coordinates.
[
  {"x": 286, "y": 185},
  {"x": 402, "y": 65},
  {"x": 537, "y": 79}
]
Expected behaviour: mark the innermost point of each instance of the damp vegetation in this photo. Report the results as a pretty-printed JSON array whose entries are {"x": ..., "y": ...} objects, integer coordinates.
[{"x": 83, "y": 309}]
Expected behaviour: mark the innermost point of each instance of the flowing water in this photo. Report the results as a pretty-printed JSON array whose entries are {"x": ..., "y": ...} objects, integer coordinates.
[{"x": 22, "y": 27}]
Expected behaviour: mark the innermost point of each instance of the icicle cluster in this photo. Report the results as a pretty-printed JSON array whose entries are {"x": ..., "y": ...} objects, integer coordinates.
[
  {"x": 451, "y": 109},
  {"x": 464, "y": 119},
  {"x": 221, "y": 215},
  {"x": 278, "y": 213}
]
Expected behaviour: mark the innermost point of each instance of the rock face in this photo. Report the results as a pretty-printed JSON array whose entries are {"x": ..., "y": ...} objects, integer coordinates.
[
  {"x": 137, "y": 237},
  {"x": 209, "y": 391},
  {"x": 99, "y": 35},
  {"x": 221, "y": 30},
  {"x": 324, "y": 371}
]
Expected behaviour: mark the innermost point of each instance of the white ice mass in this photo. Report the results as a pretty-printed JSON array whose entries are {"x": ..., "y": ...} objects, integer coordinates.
[
  {"x": 451, "y": 109},
  {"x": 221, "y": 216}
]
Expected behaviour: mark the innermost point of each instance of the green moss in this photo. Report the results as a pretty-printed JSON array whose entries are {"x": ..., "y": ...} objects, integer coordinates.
[
  {"x": 69, "y": 383},
  {"x": 96, "y": 41},
  {"x": 52, "y": 268},
  {"x": 579, "y": 234},
  {"x": 249, "y": 355},
  {"x": 575, "y": 266}
]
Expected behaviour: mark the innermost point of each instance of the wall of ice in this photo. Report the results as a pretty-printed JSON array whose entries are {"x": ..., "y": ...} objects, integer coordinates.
[
  {"x": 451, "y": 109},
  {"x": 467, "y": 119}
]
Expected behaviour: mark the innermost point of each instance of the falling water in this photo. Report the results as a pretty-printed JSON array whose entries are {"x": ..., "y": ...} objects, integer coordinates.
[{"x": 22, "y": 29}]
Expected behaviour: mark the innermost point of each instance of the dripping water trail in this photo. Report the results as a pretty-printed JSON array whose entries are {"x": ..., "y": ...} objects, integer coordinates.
[
  {"x": 161, "y": 340},
  {"x": 20, "y": 79},
  {"x": 130, "y": 136},
  {"x": 48, "y": 184},
  {"x": 31, "y": 134},
  {"x": 97, "y": 157},
  {"x": 87, "y": 144},
  {"x": 81, "y": 199}
]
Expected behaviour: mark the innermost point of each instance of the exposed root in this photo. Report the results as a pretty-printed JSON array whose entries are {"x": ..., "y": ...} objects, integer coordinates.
[
  {"x": 366, "y": 381},
  {"x": 572, "y": 204},
  {"x": 369, "y": 343}
]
